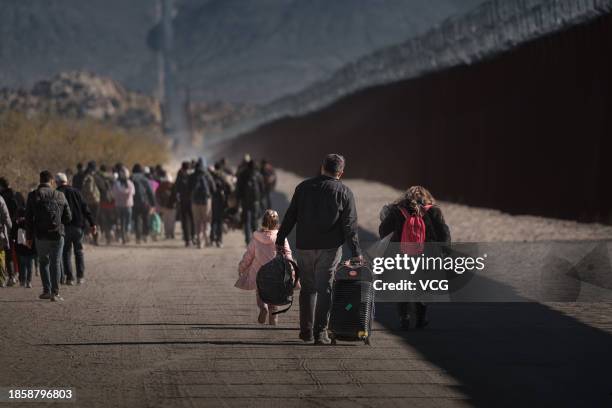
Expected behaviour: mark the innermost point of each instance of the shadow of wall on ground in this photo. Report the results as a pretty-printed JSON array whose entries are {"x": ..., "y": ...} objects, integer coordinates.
[
  {"x": 508, "y": 354},
  {"x": 527, "y": 131}
]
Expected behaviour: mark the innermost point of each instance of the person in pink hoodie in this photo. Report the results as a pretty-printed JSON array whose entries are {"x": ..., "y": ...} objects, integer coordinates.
[{"x": 261, "y": 250}]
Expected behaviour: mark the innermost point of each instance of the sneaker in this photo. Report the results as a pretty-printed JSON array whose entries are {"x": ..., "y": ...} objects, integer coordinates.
[
  {"x": 28, "y": 285},
  {"x": 80, "y": 281},
  {"x": 57, "y": 298},
  {"x": 45, "y": 295},
  {"x": 62, "y": 281},
  {"x": 263, "y": 313},
  {"x": 70, "y": 282},
  {"x": 322, "y": 339},
  {"x": 11, "y": 282}
]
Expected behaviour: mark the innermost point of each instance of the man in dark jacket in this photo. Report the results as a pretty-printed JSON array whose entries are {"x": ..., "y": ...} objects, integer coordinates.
[
  {"x": 250, "y": 192},
  {"x": 324, "y": 210},
  {"x": 75, "y": 230},
  {"x": 47, "y": 211},
  {"x": 144, "y": 203}
]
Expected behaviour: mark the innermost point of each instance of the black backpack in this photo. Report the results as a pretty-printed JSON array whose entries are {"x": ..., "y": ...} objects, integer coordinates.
[
  {"x": 201, "y": 191},
  {"x": 275, "y": 283},
  {"x": 105, "y": 185},
  {"x": 47, "y": 214},
  {"x": 140, "y": 190}
]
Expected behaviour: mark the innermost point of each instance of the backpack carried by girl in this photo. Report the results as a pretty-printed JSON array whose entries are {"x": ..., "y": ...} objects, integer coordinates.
[{"x": 276, "y": 283}]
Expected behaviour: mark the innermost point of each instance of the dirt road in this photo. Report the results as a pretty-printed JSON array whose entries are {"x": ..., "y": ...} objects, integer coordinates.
[{"x": 159, "y": 325}]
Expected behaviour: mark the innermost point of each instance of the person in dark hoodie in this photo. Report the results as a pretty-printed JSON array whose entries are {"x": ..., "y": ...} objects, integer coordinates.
[
  {"x": 144, "y": 203},
  {"x": 75, "y": 230},
  {"x": 416, "y": 201},
  {"x": 47, "y": 211}
]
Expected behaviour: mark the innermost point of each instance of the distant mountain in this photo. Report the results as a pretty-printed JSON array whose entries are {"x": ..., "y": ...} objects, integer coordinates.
[
  {"x": 40, "y": 38},
  {"x": 234, "y": 50}
]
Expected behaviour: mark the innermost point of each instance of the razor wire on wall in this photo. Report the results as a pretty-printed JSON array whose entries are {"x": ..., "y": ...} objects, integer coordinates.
[{"x": 489, "y": 29}]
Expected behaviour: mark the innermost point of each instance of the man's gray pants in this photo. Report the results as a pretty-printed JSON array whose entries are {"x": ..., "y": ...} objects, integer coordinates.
[{"x": 317, "y": 267}]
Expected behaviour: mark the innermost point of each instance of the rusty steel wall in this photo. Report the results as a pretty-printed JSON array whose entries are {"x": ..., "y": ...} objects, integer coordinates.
[{"x": 529, "y": 131}]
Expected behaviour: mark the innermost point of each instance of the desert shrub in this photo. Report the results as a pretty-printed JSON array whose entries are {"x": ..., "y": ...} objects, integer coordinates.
[{"x": 31, "y": 144}]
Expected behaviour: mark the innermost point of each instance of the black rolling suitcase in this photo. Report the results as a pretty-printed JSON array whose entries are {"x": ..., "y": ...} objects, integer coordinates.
[{"x": 352, "y": 304}]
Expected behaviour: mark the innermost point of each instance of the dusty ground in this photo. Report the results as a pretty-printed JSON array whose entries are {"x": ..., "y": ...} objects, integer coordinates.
[{"x": 159, "y": 325}]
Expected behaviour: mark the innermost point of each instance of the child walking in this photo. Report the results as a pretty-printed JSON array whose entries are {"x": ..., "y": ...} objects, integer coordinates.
[{"x": 261, "y": 250}]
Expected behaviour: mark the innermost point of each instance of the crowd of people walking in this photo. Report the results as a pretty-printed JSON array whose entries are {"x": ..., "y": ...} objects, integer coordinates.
[{"x": 43, "y": 230}]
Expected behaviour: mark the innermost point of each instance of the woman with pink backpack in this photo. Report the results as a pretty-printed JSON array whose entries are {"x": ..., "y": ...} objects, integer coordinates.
[
  {"x": 261, "y": 250},
  {"x": 413, "y": 220}
]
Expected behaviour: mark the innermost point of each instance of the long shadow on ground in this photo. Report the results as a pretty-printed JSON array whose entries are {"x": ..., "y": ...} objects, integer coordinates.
[{"x": 510, "y": 354}]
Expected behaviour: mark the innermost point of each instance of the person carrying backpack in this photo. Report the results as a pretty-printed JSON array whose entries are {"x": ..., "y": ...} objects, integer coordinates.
[
  {"x": 202, "y": 187},
  {"x": 261, "y": 250},
  {"x": 47, "y": 211},
  {"x": 144, "y": 203},
  {"x": 249, "y": 191},
  {"x": 107, "y": 215},
  {"x": 182, "y": 195},
  {"x": 413, "y": 220},
  {"x": 91, "y": 193}
]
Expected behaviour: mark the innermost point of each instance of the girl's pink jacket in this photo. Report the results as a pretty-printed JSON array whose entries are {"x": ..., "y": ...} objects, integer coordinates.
[{"x": 261, "y": 250}]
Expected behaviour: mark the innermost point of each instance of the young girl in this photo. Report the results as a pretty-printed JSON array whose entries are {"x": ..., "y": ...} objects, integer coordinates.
[{"x": 260, "y": 251}]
